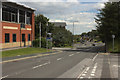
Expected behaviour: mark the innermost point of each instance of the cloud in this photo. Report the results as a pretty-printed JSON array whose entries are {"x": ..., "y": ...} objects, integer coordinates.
[{"x": 68, "y": 11}]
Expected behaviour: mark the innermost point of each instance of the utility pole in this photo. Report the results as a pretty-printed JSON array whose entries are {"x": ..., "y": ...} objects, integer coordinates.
[
  {"x": 40, "y": 34},
  {"x": 73, "y": 35}
]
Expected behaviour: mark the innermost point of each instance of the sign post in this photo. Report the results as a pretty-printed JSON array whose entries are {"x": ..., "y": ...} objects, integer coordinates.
[{"x": 113, "y": 36}]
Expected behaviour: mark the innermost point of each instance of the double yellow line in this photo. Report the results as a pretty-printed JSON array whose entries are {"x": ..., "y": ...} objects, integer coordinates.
[{"x": 29, "y": 57}]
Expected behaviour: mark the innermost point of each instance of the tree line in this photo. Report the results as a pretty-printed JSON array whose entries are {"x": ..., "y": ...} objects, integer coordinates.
[
  {"x": 108, "y": 24},
  {"x": 60, "y": 36}
]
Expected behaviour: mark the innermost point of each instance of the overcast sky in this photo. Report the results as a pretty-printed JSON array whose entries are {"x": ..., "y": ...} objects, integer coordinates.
[{"x": 82, "y": 11}]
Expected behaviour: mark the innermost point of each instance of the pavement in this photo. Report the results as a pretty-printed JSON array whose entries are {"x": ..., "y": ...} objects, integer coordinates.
[{"x": 81, "y": 63}]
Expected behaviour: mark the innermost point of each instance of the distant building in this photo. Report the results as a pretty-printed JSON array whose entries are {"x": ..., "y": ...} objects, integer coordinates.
[
  {"x": 59, "y": 24},
  {"x": 17, "y": 24}
]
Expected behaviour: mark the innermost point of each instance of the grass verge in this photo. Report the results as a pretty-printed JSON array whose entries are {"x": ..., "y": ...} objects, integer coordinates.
[
  {"x": 23, "y": 51},
  {"x": 116, "y": 46}
]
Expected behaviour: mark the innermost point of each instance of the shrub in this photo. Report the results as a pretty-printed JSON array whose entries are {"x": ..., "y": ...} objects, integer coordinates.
[{"x": 36, "y": 43}]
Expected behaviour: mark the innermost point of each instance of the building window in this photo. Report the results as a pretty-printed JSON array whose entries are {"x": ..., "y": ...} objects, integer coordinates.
[
  {"x": 21, "y": 16},
  {"x": 9, "y": 13},
  {"x": 23, "y": 37},
  {"x": 14, "y": 37},
  {"x": 7, "y": 38},
  {"x": 28, "y": 37},
  {"x": 22, "y": 25},
  {"x": 29, "y": 18}
]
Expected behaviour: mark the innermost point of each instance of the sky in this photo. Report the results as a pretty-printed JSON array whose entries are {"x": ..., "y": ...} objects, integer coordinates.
[{"x": 81, "y": 12}]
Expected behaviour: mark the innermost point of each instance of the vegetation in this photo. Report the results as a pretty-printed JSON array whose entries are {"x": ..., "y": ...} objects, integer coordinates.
[
  {"x": 61, "y": 36},
  {"x": 108, "y": 24},
  {"x": 23, "y": 51}
]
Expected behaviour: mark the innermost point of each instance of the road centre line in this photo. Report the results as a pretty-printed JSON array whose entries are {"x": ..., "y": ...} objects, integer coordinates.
[
  {"x": 59, "y": 59},
  {"x": 71, "y": 54},
  {"x": 41, "y": 65}
]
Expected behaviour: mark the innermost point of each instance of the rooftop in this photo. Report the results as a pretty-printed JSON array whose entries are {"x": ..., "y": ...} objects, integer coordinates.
[{"x": 19, "y": 4}]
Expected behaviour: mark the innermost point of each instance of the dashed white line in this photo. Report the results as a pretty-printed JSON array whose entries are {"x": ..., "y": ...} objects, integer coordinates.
[
  {"x": 41, "y": 65},
  {"x": 71, "y": 55},
  {"x": 94, "y": 70},
  {"x": 59, "y": 59},
  {"x": 4, "y": 76}
]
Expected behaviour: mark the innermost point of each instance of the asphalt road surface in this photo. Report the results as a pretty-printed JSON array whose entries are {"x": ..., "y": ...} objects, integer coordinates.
[{"x": 81, "y": 63}]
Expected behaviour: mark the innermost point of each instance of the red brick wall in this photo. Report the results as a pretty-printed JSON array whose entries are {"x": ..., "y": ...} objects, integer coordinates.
[{"x": 12, "y": 31}]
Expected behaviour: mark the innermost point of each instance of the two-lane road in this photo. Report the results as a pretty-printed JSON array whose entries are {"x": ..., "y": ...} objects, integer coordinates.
[{"x": 51, "y": 66}]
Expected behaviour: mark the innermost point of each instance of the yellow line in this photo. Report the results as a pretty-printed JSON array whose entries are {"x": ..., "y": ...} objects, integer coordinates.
[{"x": 29, "y": 57}]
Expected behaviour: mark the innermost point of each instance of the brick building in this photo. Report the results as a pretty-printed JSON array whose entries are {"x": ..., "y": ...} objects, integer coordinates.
[{"x": 16, "y": 24}]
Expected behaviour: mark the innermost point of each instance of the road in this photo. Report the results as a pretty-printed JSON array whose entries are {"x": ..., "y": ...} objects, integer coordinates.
[{"x": 81, "y": 63}]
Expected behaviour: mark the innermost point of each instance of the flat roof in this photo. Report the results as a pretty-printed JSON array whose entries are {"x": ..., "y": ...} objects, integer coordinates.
[
  {"x": 19, "y": 4},
  {"x": 62, "y": 24}
]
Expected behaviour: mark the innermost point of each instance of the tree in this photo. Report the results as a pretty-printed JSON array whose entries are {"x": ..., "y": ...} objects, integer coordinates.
[
  {"x": 62, "y": 37},
  {"x": 108, "y": 22},
  {"x": 44, "y": 20}
]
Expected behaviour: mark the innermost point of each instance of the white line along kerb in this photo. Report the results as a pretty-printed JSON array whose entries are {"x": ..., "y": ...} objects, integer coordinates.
[
  {"x": 95, "y": 57},
  {"x": 4, "y": 77}
]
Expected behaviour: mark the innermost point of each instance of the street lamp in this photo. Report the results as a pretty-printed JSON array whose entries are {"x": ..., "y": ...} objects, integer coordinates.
[
  {"x": 40, "y": 34},
  {"x": 73, "y": 32}
]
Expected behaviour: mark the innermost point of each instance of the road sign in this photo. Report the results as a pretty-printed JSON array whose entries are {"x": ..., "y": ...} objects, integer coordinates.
[{"x": 113, "y": 36}]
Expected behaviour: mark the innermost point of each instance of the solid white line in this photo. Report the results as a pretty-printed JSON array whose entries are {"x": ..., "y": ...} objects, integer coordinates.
[
  {"x": 71, "y": 55},
  {"x": 95, "y": 57},
  {"x": 4, "y": 76},
  {"x": 59, "y": 59},
  {"x": 82, "y": 73}
]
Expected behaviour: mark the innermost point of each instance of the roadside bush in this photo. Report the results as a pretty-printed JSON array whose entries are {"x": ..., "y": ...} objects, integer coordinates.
[{"x": 36, "y": 43}]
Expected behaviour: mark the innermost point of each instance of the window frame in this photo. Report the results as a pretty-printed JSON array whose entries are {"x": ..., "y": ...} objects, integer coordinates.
[
  {"x": 7, "y": 35},
  {"x": 15, "y": 37}
]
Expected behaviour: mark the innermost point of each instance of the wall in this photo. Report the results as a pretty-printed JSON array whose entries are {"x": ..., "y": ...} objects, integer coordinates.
[{"x": 14, "y": 28}]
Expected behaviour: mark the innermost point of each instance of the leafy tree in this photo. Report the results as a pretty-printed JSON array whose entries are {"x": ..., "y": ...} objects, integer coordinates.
[
  {"x": 108, "y": 22},
  {"x": 61, "y": 37}
]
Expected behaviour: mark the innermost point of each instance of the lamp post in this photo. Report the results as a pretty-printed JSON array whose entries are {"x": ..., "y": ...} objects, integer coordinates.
[
  {"x": 73, "y": 33},
  {"x": 40, "y": 34}
]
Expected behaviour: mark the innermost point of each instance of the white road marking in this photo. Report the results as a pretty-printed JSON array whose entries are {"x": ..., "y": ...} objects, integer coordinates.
[
  {"x": 94, "y": 70},
  {"x": 81, "y": 77},
  {"x": 59, "y": 59},
  {"x": 4, "y": 76},
  {"x": 95, "y": 57},
  {"x": 84, "y": 72},
  {"x": 71, "y": 55},
  {"x": 116, "y": 65},
  {"x": 92, "y": 74},
  {"x": 41, "y": 65}
]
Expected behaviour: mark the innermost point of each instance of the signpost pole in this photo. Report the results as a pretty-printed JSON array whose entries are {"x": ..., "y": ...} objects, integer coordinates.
[{"x": 113, "y": 36}]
